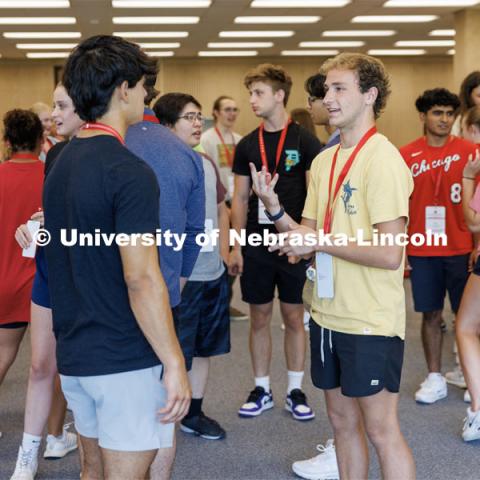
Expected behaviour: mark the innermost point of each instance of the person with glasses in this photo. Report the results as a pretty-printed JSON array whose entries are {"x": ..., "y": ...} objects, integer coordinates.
[
  {"x": 203, "y": 323},
  {"x": 219, "y": 143}
]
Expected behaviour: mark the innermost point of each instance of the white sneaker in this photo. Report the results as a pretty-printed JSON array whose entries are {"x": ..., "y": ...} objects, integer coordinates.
[
  {"x": 306, "y": 320},
  {"x": 434, "y": 388},
  {"x": 466, "y": 397},
  {"x": 322, "y": 467},
  {"x": 471, "y": 426},
  {"x": 455, "y": 377},
  {"x": 27, "y": 464},
  {"x": 59, "y": 447}
]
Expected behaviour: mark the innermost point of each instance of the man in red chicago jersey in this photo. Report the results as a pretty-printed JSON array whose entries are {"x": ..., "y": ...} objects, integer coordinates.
[{"x": 436, "y": 162}]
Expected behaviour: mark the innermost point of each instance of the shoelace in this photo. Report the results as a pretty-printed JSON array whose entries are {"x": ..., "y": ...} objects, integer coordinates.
[
  {"x": 25, "y": 459},
  {"x": 255, "y": 395},
  {"x": 325, "y": 448}
]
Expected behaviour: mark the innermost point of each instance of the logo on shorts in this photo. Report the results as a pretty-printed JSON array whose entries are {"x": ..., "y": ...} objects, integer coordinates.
[
  {"x": 347, "y": 194},
  {"x": 293, "y": 158},
  {"x": 374, "y": 383}
]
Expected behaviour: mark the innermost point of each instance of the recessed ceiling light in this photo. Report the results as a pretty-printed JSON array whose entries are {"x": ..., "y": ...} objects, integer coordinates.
[
  {"x": 442, "y": 33},
  {"x": 425, "y": 43},
  {"x": 309, "y": 53},
  {"x": 46, "y": 46},
  {"x": 35, "y": 4},
  {"x": 279, "y": 19},
  {"x": 240, "y": 44},
  {"x": 258, "y": 34},
  {"x": 151, "y": 34},
  {"x": 430, "y": 3},
  {"x": 358, "y": 33},
  {"x": 298, "y": 3},
  {"x": 228, "y": 53},
  {"x": 41, "y": 35},
  {"x": 339, "y": 44},
  {"x": 451, "y": 51},
  {"x": 165, "y": 53},
  {"x": 161, "y": 3},
  {"x": 37, "y": 20},
  {"x": 47, "y": 55},
  {"x": 397, "y": 51},
  {"x": 160, "y": 45},
  {"x": 155, "y": 20},
  {"x": 394, "y": 18}
]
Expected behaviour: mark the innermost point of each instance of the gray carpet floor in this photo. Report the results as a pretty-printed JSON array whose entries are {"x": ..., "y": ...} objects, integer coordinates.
[{"x": 265, "y": 447}]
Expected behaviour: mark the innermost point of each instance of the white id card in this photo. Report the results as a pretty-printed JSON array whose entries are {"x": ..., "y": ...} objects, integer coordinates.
[
  {"x": 435, "y": 219},
  {"x": 231, "y": 185},
  {"x": 208, "y": 247},
  {"x": 33, "y": 227},
  {"x": 324, "y": 267},
  {"x": 262, "y": 218}
]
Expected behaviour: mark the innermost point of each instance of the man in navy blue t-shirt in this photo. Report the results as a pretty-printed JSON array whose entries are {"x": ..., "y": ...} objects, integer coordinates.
[{"x": 111, "y": 313}]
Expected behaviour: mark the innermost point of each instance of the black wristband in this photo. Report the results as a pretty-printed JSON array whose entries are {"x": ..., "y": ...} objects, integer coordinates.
[{"x": 278, "y": 216}]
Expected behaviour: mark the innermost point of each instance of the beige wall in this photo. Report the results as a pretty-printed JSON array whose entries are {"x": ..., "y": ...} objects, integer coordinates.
[{"x": 22, "y": 83}]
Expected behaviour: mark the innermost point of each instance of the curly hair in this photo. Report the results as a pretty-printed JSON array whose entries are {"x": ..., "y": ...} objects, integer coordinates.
[
  {"x": 370, "y": 72},
  {"x": 22, "y": 129},
  {"x": 437, "y": 96},
  {"x": 273, "y": 75},
  {"x": 470, "y": 83}
]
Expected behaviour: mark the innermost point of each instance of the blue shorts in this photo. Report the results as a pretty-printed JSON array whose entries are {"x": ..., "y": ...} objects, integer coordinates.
[
  {"x": 120, "y": 410},
  {"x": 40, "y": 293},
  {"x": 433, "y": 277},
  {"x": 203, "y": 320}
]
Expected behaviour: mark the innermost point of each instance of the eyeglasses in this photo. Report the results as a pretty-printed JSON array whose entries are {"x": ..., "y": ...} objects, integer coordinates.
[
  {"x": 230, "y": 110},
  {"x": 313, "y": 99},
  {"x": 192, "y": 116}
]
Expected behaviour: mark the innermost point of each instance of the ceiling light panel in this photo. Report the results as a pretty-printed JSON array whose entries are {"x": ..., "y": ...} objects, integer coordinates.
[
  {"x": 240, "y": 44},
  {"x": 41, "y": 35},
  {"x": 299, "y": 3},
  {"x": 442, "y": 33},
  {"x": 339, "y": 44},
  {"x": 397, "y": 51},
  {"x": 451, "y": 51},
  {"x": 37, "y": 20},
  {"x": 40, "y": 55},
  {"x": 160, "y": 45},
  {"x": 227, "y": 53},
  {"x": 35, "y": 4},
  {"x": 425, "y": 43},
  {"x": 258, "y": 34},
  {"x": 155, "y": 20},
  {"x": 394, "y": 18},
  {"x": 165, "y": 53},
  {"x": 46, "y": 46},
  {"x": 151, "y": 34},
  {"x": 277, "y": 20},
  {"x": 430, "y": 3},
  {"x": 358, "y": 33},
  {"x": 161, "y": 3},
  {"x": 309, "y": 53}
]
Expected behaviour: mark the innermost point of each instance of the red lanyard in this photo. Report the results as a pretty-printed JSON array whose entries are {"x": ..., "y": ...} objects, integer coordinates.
[
  {"x": 150, "y": 118},
  {"x": 24, "y": 156},
  {"x": 104, "y": 128},
  {"x": 438, "y": 179},
  {"x": 327, "y": 221},
  {"x": 280, "y": 145},
  {"x": 225, "y": 148}
]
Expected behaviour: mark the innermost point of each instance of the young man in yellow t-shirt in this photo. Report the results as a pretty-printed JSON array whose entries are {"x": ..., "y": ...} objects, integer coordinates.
[{"x": 358, "y": 309}]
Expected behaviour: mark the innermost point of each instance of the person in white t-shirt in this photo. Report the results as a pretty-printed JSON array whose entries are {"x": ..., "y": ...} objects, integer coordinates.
[{"x": 219, "y": 143}]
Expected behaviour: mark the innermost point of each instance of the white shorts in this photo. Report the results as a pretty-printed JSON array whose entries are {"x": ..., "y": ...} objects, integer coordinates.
[{"x": 120, "y": 410}]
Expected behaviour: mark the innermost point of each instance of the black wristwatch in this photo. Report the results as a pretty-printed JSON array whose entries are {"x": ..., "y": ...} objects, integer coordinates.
[{"x": 278, "y": 216}]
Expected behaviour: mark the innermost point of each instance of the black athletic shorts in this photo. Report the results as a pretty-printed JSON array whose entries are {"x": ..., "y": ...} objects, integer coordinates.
[
  {"x": 361, "y": 365},
  {"x": 264, "y": 270},
  {"x": 476, "y": 268},
  {"x": 203, "y": 319},
  {"x": 14, "y": 325}
]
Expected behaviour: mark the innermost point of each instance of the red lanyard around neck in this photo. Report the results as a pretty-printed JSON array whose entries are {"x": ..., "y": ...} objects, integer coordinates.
[
  {"x": 281, "y": 143},
  {"x": 104, "y": 128},
  {"x": 225, "y": 148},
  {"x": 327, "y": 222},
  {"x": 147, "y": 117},
  {"x": 437, "y": 181}
]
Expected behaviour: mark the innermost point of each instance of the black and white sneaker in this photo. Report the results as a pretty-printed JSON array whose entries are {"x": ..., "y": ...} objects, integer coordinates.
[
  {"x": 203, "y": 426},
  {"x": 296, "y": 404},
  {"x": 257, "y": 402}
]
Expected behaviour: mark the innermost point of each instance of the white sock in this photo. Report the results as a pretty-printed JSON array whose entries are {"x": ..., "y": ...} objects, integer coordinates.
[
  {"x": 294, "y": 380},
  {"x": 30, "y": 441},
  {"x": 263, "y": 382},
  {"x": 434, "y": 375}
]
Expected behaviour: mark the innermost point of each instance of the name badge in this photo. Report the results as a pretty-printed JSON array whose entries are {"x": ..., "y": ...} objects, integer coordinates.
[
  {"x": 435, "y": 219},
  {"x": 208, "y": 247},
  {"x": 231, "y": 185},
  {"x": 324, "y": 267},
  {"x": 262, "y": 218}
]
